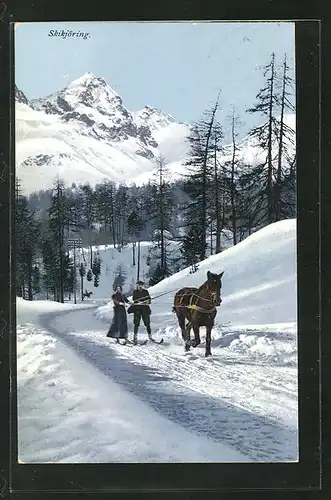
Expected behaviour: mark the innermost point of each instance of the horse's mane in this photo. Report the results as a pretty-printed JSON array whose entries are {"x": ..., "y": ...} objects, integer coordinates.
[{"x": 201, "y": 287}]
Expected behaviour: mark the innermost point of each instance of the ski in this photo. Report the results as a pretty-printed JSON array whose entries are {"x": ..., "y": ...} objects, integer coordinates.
[
  {"x": 131, "y": 343},
  {"x": 144, "y": 342},
  {"x": 157, "y": 341}
]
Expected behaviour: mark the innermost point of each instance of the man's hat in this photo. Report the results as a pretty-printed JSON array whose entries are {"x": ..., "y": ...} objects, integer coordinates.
[{"x": 139, "y": 282}]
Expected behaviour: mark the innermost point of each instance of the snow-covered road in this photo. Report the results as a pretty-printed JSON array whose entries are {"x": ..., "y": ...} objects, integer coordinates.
[{"x": 248, "y": 405}]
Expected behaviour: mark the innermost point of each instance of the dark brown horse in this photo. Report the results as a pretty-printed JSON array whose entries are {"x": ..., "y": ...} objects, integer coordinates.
[{"x": 198, "y": 307}]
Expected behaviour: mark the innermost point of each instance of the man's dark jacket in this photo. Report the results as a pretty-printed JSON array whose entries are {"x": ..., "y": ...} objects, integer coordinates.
[{"x": 140, "y": 296}]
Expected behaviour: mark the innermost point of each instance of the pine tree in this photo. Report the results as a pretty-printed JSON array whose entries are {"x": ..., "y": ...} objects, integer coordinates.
[
  {"x": 105, "y": 207},
  {"x": 192, "y": 248},
  {"x": 285, "y": 136},
  {"x": 266, "y": 102},
  {"x": 135, "y": 225},
  {"x": 59, "y": 222},
  {"x": 232, "y": 169},
  {"x": 88, "y": 200},
  {"x": 120, "y": 277},
  {"x": 138, "y": 223},
  {"x": 96, "y": 280},
  {"x": 50, "y": 277},
  {"x": 96, "y": 270},
  {"x": 160, "y": 210},
  {"x": 89, "y": 275},
  {"x": 201, "y": 171},
  {"x": 157, "y": 275},
  {"x": 288, "y": 190},
  {"x": 69, "y": 275},
  {"x": 276, "y": 138},
  {"x": 216, "y": 191},
  {"x": 121, "y": 209},
  {"x": 82, "y": 273},
  {"x": 27, "y": 232},
  {"x": 36, "y": 280}
]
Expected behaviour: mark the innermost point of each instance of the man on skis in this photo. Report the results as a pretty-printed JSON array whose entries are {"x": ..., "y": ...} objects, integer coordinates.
[{"x": 141, "y": 310}]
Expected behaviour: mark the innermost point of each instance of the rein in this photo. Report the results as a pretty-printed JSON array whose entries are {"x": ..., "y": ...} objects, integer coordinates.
[{"x": 191, "y": 306}]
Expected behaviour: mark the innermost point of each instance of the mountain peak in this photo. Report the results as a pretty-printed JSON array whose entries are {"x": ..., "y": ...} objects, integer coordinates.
[
  {"x": 155, "y": 118},
  {"x": 87, "y": 79},
  {"x": 90, "y": 88},
  {"x": 83, "y": 94}
]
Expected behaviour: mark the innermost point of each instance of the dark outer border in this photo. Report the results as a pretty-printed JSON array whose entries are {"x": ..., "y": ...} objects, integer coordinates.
[{"x": 128, "y": 477}]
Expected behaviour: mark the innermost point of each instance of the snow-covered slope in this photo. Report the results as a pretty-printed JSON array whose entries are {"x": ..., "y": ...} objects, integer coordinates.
[
  {"x": 259, "y": 282},
  {"x": 112, "y": 259}
]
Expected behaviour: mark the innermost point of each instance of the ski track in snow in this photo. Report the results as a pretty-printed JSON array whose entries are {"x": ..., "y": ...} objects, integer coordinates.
[{"x": 249, "y": 404}]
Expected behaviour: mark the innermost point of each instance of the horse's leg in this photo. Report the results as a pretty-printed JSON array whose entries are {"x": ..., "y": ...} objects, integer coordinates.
[
  {"x": 196, "y": 329},
  {"x": 181, "y": 321},
  {"x": 208, "y": 340},
  {"x": 187, "y": 335}
]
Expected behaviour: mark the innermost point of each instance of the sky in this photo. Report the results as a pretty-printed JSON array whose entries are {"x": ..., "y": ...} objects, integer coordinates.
[{"x": 177, "y": 67}]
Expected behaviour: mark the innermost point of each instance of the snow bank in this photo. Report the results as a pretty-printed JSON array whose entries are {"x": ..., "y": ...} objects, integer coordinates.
[
  {"x": 273, "y": 344},
  {"x": 27, "y": 310}
]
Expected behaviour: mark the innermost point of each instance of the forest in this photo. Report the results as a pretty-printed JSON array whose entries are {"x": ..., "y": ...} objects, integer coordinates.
[{"x": 219, "y": 194}]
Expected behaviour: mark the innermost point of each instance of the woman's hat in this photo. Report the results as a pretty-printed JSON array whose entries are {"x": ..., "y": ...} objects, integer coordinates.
[{"x": 139, "y": 282}]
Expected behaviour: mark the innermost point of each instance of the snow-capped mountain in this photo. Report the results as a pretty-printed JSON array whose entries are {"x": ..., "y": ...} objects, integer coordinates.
[
  {"x": 84, "y": 133},
  {"x": 96, "y": 109}
]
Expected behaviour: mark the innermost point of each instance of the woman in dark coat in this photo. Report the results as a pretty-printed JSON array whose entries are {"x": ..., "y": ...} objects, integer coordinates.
[{"x": 119, "y": 327}]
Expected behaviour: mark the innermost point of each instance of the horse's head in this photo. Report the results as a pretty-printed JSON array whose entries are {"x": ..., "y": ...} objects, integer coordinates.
[{"x": 214, "y": 283}]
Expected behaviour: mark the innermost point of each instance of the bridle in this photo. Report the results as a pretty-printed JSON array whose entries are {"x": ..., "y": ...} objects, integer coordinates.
[{"x": 213, "y": 296}]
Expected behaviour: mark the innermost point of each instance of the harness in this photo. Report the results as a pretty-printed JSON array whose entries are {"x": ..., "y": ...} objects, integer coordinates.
[{"x": 194, "y": 307}]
